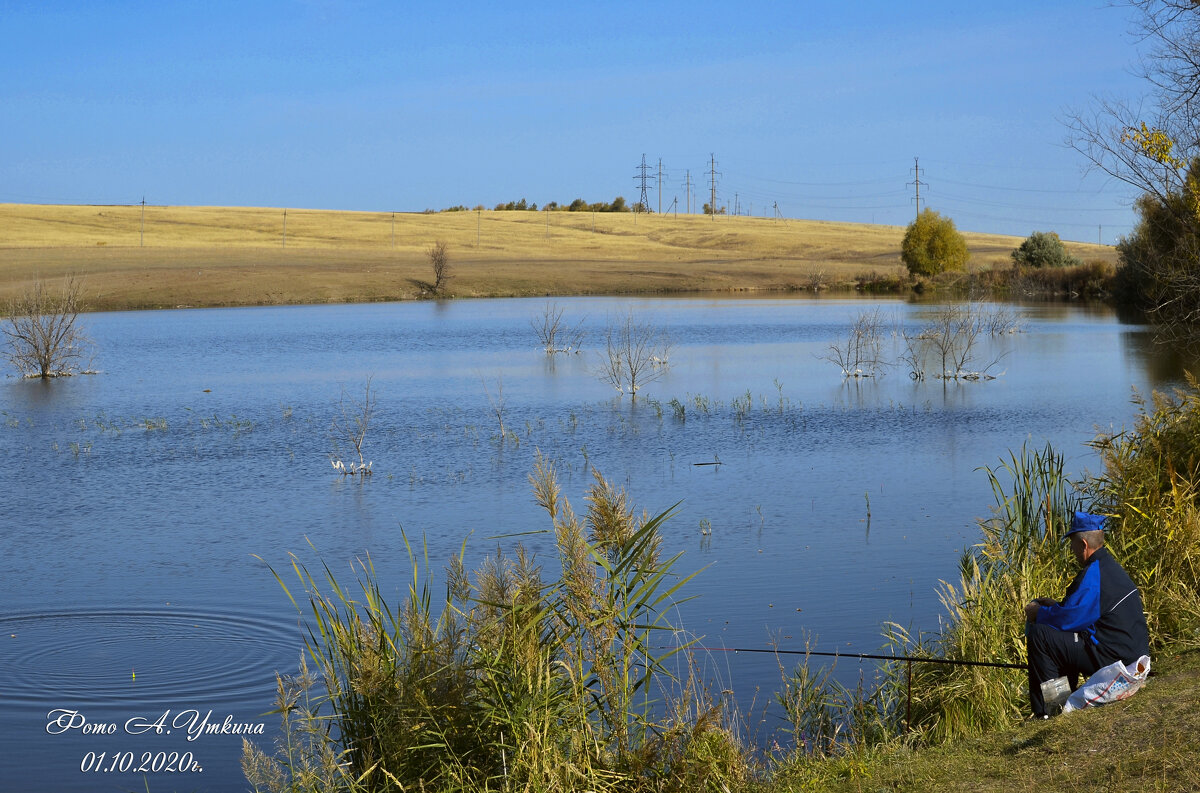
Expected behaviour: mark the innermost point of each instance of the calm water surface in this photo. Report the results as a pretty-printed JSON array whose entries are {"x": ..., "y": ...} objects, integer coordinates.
[{"x": 145, "y": 503}]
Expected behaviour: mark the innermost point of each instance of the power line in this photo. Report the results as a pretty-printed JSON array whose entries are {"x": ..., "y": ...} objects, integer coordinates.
[
  {"x": 917, "y": 182},
  {"x": 712, "y": 181},
  {"x": 660, "y": 185},
  {"x": 645, "y": 199}
]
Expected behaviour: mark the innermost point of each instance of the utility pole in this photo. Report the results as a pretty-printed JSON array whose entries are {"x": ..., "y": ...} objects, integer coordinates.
[
  {"x": 712, "y": 181},
  {"x": 917, "y": 182},
  {"x": 687, "y": 192},
  {"x": 644, "y": 200},
  {"x": 285, "y": 228},
  {"x": 660, "y": 185},
  {"x": 142, "y": 225},
  {"x": 737, "y": 206}
]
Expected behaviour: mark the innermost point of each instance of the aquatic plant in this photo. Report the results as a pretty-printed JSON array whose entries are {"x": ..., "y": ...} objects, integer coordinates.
[
  {"x": 635, "y": 352},
  {"x": 553, "y": 334},
  {"x": 348, "y": 431},
  {"x": 43, "y": 334},
  {"x": 514, "y": 683},
  {"x": 860, "y": 354}
]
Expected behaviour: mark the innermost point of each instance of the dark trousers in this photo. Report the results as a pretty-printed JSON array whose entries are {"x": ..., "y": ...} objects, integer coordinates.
[{"x": 1053, "y": 653}]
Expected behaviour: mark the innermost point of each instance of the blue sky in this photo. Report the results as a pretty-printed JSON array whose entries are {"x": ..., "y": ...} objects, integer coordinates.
[{"x": 817, "y": 107}]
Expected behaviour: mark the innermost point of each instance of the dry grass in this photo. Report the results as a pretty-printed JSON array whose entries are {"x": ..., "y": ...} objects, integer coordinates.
[{"x": 219, "y": 256}]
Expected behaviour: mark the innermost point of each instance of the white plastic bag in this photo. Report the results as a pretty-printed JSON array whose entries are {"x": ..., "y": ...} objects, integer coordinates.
[{"x": 1114, "y": 682}]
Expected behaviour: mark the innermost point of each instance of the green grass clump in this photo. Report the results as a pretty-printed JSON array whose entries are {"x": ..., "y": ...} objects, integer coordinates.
[
  {"x": 1148, "y": 488},
  {"x": 513, "y": 683}
]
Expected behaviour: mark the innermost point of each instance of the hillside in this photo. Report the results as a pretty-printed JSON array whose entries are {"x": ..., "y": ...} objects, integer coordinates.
[{"x": 222, "y": 256}]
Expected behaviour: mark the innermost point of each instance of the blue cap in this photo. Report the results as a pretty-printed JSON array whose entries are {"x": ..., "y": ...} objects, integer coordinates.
[{"x": 1085, "y": 521}]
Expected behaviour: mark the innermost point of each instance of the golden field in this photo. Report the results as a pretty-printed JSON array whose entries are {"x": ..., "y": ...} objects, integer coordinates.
[{"x": 226, "y": 256}]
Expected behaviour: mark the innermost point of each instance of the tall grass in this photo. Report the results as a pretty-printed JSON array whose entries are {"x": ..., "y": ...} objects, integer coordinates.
[
  {"x": 513, "y": 683},
  {"x": 1020, "y": 557},
  {"x": 1149, "y": 489}
]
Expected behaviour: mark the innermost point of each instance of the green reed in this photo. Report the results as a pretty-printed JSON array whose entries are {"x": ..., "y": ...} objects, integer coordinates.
[{"x": 513, "y": 683}]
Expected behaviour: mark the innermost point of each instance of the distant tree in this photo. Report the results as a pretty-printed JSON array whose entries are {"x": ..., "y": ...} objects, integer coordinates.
[
  {"x": 1044, "y": 249},
  {"x": 708, "y": 210},
  {"x": 550, "y": 207},
  {"x": 618, "y": 205},
  {"x": 440, "y": 261},
  {"x": 45, "y": 338},
  {"x": 932, "y": 245},
  {"x": 578, "y": 205}
]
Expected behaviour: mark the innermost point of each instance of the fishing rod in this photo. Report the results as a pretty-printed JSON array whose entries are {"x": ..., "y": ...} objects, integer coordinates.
[{"x": 909, "y": 658}]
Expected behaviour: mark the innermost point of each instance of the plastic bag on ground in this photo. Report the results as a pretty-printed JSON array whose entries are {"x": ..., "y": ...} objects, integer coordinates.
[{"x": 1111, "y": 683}]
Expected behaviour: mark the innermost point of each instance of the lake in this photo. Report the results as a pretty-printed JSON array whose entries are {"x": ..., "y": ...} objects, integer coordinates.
[{"x": 145, "y": 503}]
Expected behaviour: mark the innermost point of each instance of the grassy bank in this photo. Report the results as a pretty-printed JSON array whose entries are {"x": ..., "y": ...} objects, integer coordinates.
[
  {"x": 222, "y": 256},
  {"x": 1147, "y": 743}
]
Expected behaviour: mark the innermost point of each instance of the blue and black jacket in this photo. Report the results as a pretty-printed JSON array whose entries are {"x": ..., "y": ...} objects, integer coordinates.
[{"x": 1103, "y": 603}]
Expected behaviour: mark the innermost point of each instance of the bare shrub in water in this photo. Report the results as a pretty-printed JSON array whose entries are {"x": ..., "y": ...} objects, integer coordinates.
[
  {"x": 348, "y": 431},
  {"x": 860, "y": 353},
  {"x": 950, "y": 342},
  {"x": 635, "y": 353},
  {"x": 42, "y": 330},
  {"x": 553, "y": 334}
]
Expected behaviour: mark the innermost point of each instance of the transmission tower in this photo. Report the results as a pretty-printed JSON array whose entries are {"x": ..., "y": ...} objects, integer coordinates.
[
  {"x": 712, "y": 182},
  {"x": 645, "y": 199},
  {"x": 660, "y": 185},
  {"x": 917, "y": 182}
]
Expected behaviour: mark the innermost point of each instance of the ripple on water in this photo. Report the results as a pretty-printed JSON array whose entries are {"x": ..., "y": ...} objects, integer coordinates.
[{"x": 110, "y": 657}]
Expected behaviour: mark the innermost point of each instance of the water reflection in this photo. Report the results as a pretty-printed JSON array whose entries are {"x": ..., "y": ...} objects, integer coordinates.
[{"x": 1162, "y": 362}]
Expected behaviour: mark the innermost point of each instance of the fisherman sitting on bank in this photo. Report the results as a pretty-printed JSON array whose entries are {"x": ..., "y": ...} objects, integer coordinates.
[{"x": 1100, "y": 619}]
